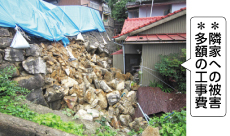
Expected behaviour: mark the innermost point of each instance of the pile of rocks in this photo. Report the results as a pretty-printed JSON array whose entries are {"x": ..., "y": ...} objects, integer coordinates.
[{"x": 87, "y": 85}]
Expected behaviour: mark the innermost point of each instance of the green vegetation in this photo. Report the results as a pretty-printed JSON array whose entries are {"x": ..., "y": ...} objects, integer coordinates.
[
  {"x": 10, "y": 103},
  {"x": 171, "y": 70},
  {"x": 171, "y": 125},
  {"x": 104, "y": 130},
  {"x": 161, "y": 85},
  {"x": 131, "y": 133},
  {"x": 118, "y": 9},
  {"x": 7, "y": 86}
]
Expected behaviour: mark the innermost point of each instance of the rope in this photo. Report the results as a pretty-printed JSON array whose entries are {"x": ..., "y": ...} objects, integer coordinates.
[{"x": 160, "y": 80}]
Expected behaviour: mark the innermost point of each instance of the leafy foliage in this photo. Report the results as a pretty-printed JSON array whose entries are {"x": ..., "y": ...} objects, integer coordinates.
[
  {"x": 163, "y": 87},
  {"x": 170, "y": 68},
  {"x": 54, "y": 121},
  {"x": 118, "y": 9},
  {"x": 132, "y": 132},
  {"x": 8, "y": 87},
  {"x": 171, "y": 125}
]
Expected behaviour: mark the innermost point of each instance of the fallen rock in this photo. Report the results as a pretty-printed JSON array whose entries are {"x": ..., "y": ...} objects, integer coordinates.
[
  {"x": 103, "y": 103},
  {"x": 113, "y": 97},
  {"x": 71, "y": 101},
  {"x": 69, "y": 82},
  {"x": 125, "y": 119},
  {"x": 150, "y": 131},
  {"x": 34, "y": 65},
  {"x": 53, "y": 95},
  {"x": 90, "y": 95},
  {"x": 82, "y": 114},
  {"x": 93, "y": 112},
  {"x": 115, "y": 123},
  {"x": 108, "y": 76},
  {"x": 105, "y": 87},
  {"x": 36, "y": 96}
]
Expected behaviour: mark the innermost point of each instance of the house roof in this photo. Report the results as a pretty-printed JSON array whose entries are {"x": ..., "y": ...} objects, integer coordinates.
[
  {"x": 132, "y": 24},
  {"x": 157, "y": 37},
  {"x": 118, "y": 52}
]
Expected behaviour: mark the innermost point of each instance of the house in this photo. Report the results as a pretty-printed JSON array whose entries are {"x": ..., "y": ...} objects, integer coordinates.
[
  {"x": 145, "y": 8},
  {"x": 144, "y": 39}
]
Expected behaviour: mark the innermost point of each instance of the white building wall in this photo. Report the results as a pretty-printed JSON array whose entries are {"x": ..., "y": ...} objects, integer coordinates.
[
  {"x": 178, "y": 6},
  {"x": 144, "y": 11}
]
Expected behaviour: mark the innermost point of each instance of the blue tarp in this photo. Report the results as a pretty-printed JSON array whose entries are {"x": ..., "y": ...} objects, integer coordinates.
[{"x": 51, "y": 22}]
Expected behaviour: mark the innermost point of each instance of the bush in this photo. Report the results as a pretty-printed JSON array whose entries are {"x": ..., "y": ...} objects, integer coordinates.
[
  {"x": 171, "y": 125},
  {"x": 171, "y": 70}
]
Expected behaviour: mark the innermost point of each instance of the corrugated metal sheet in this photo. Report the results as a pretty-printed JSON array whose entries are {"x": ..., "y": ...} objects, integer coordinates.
[
  {"x": 150, "y": 56},
  {"x": 132, "y": 49},
  {"x": 177, "y": 25},
  {"x": 118, "y": 62},
  {"x": 153, "y": 100}
]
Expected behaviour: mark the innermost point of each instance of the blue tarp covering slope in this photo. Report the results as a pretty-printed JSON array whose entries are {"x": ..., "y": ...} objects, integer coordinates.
[{"x": 48, "y": 21}]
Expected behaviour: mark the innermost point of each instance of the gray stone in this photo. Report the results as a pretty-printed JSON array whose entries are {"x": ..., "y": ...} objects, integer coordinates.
[
  {"x": 36, "y": 96},
  {"x": 34, "y": 65},
  {"x": 5, "y": 42},
  {"x": 14, "y": 54},
  {"x": 31, "y": 82},
  {"x": 103, "y": 64},
  {"x": 4, "y": 32},
  {"x": 34, "y": 50},
  {"x": 113, "y": 97},
  {"x": 95, "y": 113},
  {"x": 1, "y": 58},
  {"x": 53, "y": 95},
  {"x": 55, "y": 105}
]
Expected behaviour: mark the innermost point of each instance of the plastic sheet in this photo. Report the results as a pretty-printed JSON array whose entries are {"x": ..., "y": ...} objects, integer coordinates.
[{"x": 45, "y": 20}]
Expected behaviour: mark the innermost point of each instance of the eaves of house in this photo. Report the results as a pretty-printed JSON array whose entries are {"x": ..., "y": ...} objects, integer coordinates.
[{"x": 134, "y": 26}]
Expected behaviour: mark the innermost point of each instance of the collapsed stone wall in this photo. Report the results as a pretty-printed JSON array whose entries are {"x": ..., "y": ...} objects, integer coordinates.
[{"x": 88, "y": 85}]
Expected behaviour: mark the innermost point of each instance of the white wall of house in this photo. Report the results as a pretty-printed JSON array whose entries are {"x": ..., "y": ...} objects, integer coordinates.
[
  {"x": 178, "y": 6},
  {"x": 144, "y": 11}
]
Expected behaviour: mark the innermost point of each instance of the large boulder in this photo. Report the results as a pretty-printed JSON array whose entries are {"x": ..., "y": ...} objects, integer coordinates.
[
  {"x": 34, "y": 65},
  {"x": 103, "y": 103},
  {"x": 4, "y": 32},
  {"x": 14, "y": 54},
  {"x": 31, "y": 81},
  {"x": 36, "y": 96},
  {"x": 5, "y": 42},
  {"x": 34, "y": 50}
]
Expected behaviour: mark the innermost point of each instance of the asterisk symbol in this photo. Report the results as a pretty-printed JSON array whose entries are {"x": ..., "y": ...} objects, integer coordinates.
[
  {"x": 201, "y": 25},
  {"x": 215, "y": 25}
]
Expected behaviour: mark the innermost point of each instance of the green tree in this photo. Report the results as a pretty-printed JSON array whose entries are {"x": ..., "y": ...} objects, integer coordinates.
[
  {"x": 171, "y": 70},
  {"x": 118, "y": 8}
]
